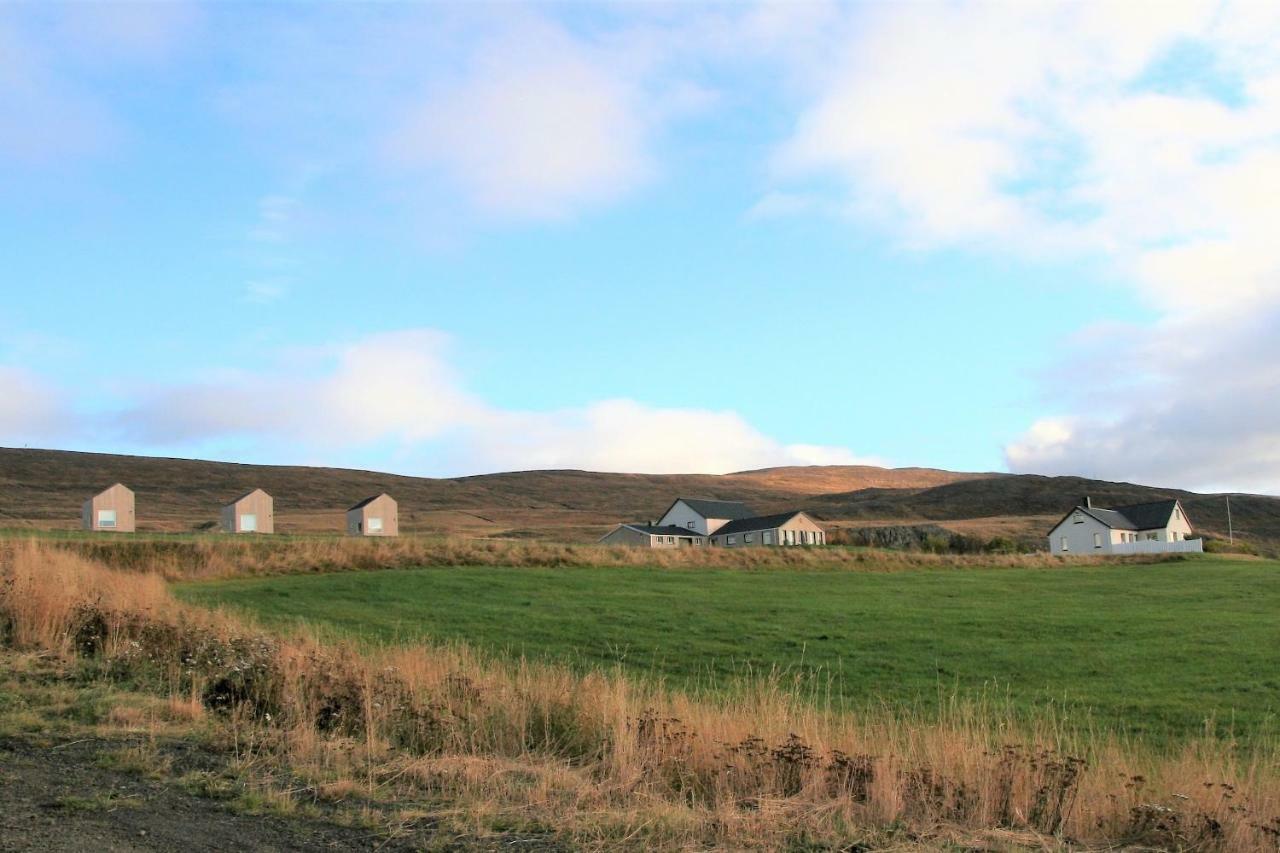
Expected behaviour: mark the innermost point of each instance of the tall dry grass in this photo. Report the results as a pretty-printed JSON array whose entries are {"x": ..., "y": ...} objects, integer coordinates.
[
  {"x": 226, "y": 556},
  {"x": 602, "y": 761}
]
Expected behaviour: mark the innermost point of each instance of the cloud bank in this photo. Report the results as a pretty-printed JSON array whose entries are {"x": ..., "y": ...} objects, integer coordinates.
[
  {"x": 399, "y": 392},
  {"x": 1100, "y": 131}
]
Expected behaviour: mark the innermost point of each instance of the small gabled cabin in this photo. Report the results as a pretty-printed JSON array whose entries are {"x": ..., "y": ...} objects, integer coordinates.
[
  {"x": 111, "y": 510},
  {"x": 252, "y": 512},
  {"x": 374, "y": 516}
]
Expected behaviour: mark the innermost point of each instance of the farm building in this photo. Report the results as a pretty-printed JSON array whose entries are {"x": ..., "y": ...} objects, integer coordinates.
[
  {"x": 787, "y": 528},
  {"x": 252, "y": 512},
  {"x": 110, "y": 510},
  {"x": 1149, "y": 528},
  {"x": 691, "y": 522},
  {"x": 653, "y": 536},
  {"x": 374, "y": 516}
]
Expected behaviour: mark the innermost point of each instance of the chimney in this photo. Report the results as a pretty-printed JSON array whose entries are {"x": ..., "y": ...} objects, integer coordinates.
[{"x": 1088, "y": 502}]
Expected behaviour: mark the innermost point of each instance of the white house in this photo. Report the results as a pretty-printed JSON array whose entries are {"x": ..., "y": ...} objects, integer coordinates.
[
  {"x": 694, "y": 522},
  {"x": 1148, "y": 528}
]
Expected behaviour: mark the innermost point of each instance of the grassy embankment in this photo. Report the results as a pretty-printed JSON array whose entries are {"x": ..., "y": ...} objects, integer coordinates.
[
  {"x": 442, "y": 736},
  {"x": 1157, "y": 651}
]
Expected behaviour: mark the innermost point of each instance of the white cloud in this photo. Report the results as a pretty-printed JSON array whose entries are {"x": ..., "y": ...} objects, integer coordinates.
[
  {"x": 1051, "y": 128},
  {"x": 400, "y": 388},
  {"x": 30, "y": 411},
  {"x": 540, "y": 125},
  {"x": 51, "y": 57}
]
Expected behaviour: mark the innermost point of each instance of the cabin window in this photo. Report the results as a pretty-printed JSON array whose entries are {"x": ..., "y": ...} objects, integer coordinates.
[
  {"x": 1078, "y": 518},
  {"x": 767, "y": 537},
  {"x": 1064, "y": 544},
  {"x": 731, "y": 540},
  {"x": 750, "y": 537},
  {"x": 375, "y": 525},
  {"x": 106, "y": 518},
  {"x": 690, "y": 525},
  {"x": 1097, "y": 540},
  {"x": 248, "y": 522}
]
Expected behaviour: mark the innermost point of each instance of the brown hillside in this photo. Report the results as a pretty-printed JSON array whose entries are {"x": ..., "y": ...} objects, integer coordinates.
[
  {"x": 44, "y": 489},
  {"x": 828, "y": 479}
]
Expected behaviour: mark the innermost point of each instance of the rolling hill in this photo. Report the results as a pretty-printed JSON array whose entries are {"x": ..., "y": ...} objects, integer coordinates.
[{"x": 44, "y": 489}]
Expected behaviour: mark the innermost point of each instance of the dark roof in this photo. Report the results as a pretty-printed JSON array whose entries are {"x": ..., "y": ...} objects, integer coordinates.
[
  {"x": 760, "y": 522},
  {"x": 366, "y": 501},
  {"x": 664, "y": 530},
  {"x": 245, "y": 495},
  {"x": 1146, "y": 516},
  {"x": 708, "y": 508}
]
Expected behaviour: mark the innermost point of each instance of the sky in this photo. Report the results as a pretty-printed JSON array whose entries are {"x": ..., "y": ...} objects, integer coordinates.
[{"x": 457, "y": 238}]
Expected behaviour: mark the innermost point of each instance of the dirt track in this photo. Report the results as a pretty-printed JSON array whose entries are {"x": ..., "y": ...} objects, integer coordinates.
[{"x": 58, "y": 799}]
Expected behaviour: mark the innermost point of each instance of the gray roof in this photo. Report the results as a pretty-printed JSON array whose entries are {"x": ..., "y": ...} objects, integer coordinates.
[
  {"x": 245, "y": 495},
  {"x": 1146, "y": 516},
  {"x": 760, "y": 522},
  {"x": 664, "y": 530},
  {"x": 708, "y": 508},
  {"x": 366, "y": 501}
]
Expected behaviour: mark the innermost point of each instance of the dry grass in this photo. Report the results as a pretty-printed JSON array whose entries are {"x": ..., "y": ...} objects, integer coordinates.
[
  {"x": 221, "y": 557},
  {"x": 601, "y": 761}
]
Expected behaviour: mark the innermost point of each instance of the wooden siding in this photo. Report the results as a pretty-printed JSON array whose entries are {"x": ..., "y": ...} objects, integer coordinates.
[
  {"x": 118, "y": 498},
  {"x": 257, "y": 503},
  {"x": 382, "y": 507}
]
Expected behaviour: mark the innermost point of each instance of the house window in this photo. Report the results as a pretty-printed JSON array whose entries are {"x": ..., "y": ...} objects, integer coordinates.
[
  {"x": 106, "y": 518},
  {"x": 1078, "y": 518},
  {"x": 375, "y": 525},
  {"x": 690, "y": 524},
  {"x": 750, "y": 537},
  {"x": 671, "y": 540},
  {"x": 248, "y": 523},
  {"x": 1064, "y": 544},
  {"x": 1097, "y": 540},
  {"x": 768, "y": 537},
  {"x": 731, "y": 540}
]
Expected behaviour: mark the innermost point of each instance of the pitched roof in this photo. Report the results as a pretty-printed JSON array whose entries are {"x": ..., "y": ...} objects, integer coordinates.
[
  {"x": 708, "y": 508},
  {"x": 245, "y": 495},
  {"x": 760, "y": 522},
  {"x": 664, "y": 530},
  {"x": 1145, "y": 516},
  {"x": 367, "y": 501}
]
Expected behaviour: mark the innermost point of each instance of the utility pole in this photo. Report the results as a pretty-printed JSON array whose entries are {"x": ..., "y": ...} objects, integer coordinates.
[{"x": 1231, "y": 535}]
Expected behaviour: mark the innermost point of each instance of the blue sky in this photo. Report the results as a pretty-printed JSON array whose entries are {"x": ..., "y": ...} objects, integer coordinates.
[{"x": 445, "y": 239}]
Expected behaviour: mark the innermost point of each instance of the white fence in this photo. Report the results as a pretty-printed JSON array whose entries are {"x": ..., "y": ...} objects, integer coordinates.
[{"x": 1149, "y": 546}]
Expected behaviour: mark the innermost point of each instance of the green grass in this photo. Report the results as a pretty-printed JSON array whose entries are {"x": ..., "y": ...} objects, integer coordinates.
[{"x": 1151, "y": 650}]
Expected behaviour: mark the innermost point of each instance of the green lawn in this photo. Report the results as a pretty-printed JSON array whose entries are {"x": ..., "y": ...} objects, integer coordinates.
[{"x": 1151, "y": 649}]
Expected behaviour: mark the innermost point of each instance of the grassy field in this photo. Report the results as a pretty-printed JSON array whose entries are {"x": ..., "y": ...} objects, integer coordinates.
[{"x": 1151, "y": 650}]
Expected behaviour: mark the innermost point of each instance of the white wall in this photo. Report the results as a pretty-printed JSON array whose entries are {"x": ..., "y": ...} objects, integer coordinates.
[
  {"x": 1079, "y": 535},
  {"x": 681, "y": 514}
]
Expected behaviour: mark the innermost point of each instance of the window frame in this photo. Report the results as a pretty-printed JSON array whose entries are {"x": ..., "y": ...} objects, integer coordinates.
[{"x": 112, "y": 522}]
